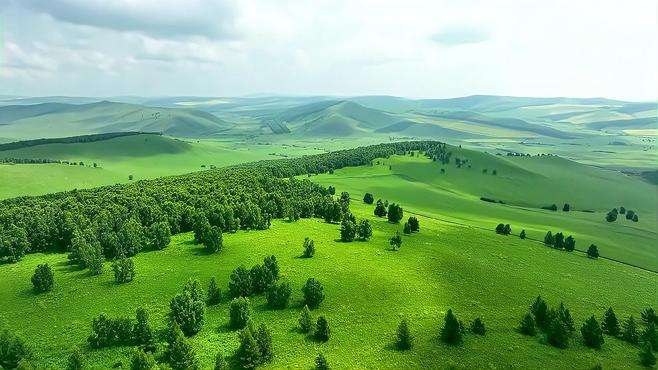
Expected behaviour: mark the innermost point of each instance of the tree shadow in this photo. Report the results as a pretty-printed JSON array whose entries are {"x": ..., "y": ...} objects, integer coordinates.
[{"x": 226, "y": 328}]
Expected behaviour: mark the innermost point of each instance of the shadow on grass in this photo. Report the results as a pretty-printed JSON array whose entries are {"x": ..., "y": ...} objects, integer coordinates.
[{"x": 226, "y": 328}]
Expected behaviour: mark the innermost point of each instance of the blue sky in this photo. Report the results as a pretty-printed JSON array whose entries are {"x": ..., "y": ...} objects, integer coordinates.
[{"x": 412, "y": 48}]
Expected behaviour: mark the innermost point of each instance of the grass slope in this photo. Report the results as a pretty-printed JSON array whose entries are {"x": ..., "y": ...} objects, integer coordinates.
[{"x": 369, "y": 289}]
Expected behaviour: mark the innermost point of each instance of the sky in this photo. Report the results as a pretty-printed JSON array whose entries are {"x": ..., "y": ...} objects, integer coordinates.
[{"x": 410, "y": 48}]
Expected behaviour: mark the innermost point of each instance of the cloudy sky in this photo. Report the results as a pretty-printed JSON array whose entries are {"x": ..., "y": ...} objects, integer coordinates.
[{"x": 434, "y": 48}]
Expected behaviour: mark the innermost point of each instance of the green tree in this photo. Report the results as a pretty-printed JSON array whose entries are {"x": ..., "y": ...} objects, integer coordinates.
[
  {"x": 143, "y": 361},
  {"x": 213, "y": 240},
  {"x": 593, "y": 251},
  {"x": 142, "y": 332},
  {"x": 610, "y": 324},
  {"x": 649, "y": 316},
  {"x": 13, "y": 243},
  {"x": 239, "y": 312},
  {"x": 180, "y": 353},
  {"x": 278, "y": 296},
  {"x": 124, "y": 270},
  {"x": 159, "y": 235},
  {"x": 347, "y": 230},
  {"x": 395, "y": 213},
  {"x": 248, "y": 353},
  {"x": 321, "y": 362},
  {"x": 309, "y": 248},
  {"x": 630, "y": 333},
  {"x": 187, "y": 308},
  {"x": 264, "y": 341},
  {"x": 549, "y": 239},
  {"x": 76, "y": 360},
  {"x": 414, "y": 224},
  {"x": 650, "y": 335},
  {"x": 131, "y": 237},
  {"x": 647, "y": 358},
  {"x": 380, "y": 209},
  {"x": 368, "y": 198},
  {"x": 592, "y": 333},
  {"x": 559, "y": 241},
  {"x": 214, "y": 293},
  {"x": 522, "y": 234},
  {"x": 220, "y": 361},
  {"x": 305, "y": 320},
  {"x": 322, "y": 331},
  {"x": 240, "y": 283},
  {"x": 569, "y": 243},
  {"x": 404, "y": 339},
  {"x": 477, "y": 327},
  {"x": 43, "y": 278},
  {"x": 364, "y": 230},
  {"x": 406, "y": 229},
  {"x": 540, "y": 311},
  {"x": 451, "y": 332},
  {"x": 200, "y": 226},
  {"x": 396, "y": 241},
  {"x": 12, "y": 350},
  {"x": 527, "y": 325},
  {"x": 313, "y": 293},
  {"x": 557, "y": 334}
]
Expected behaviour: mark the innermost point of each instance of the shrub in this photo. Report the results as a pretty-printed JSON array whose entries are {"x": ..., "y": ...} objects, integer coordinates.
[
  {"x": 395, "y": 241},
  {"x": 592, "y": 333},
  {"x": 278, "y": 296},
  {"x": 610, "y": 324},
  {"x": 124, "y": 270},
  {"x": 313, "y": 293},
  {"x": 239, "y": 312},
  {"x": 477, "y": 327},
  {"x": 214, "y": 293},
  {"x": 240, "y": 283},
  {"x": 76, "y": 360},
  {"x": 143, "y": 361},
  {"x": 43, "y": 278},
  {"x": 522, "y": 234},
  {"x": 12, "y": 350},
  {"x": 108, "y": 332},
  {"x": 179, "y": 352},
  {"x": 309, "y": 248},
  {"x": 451, "y": 331},
  {"x": 527, "y": 325},
  {"x": 305, "y": 320},
  {"x": 322, "y": 331},
  {"x": 321, "y": 362},
  {"x": 404, "y": 339},
  {"x": 407, "y": 228},
  {"x": 213, "y": 240},
  {"x": 368, "y": 198}
]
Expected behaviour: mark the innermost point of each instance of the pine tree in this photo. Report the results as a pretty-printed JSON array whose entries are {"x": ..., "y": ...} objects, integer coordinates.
[
  {"x": 313, "y": 293},
  {"x": 239, "y": 312},
  {"x": 592, "y": 251},
  {"x": 180, "y": 353},
  {"x": 142, "y": 332},
  {"x": 527, "y": 325},
  {"x": 477, "y": 327},
  {"x": 321, "y": 362},
  {"x": 548, "y": 239},
  {"x": 564, "y": 316},
  {"x": 43, "y": 278},
  {"x": 451, "y": 331},
  {"x": 647, "y": 358},
  {"x": 248, "y": 353},
  {"x": 309, "y": 248},
  {"x": 305, "y": 320},
  {"x": 650, "y": 335},
  {"x": 322, "y": 331},
  {"x": 404, "y": 339},
  {"x": 569, "y": 243},
  {"x": 347, "y": 230},
  {"x": 540, "y": 310},
  {"x": 214, "y": 293},
  {"x": 522, "y": 234},
  {"x": 610, "y": 324},
  {"x": 264, "y": 341},
  {"x": 592, "y": 333},
  {"x": 648, "y": 316},
  {"x": 396, "y": 241},
  {"x": 630, "y": 333},
  {"x": 557, "y": 334},
  {"x": 406, "y": 229},
  {"x": 364, "y": 230}
]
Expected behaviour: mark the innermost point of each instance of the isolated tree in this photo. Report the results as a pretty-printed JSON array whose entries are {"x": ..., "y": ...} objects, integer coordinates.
[
  {"x": 647, "y": 358},
  {"x": 380, "y": 209},
  {"x": 313, "y": 293},
  {"x": 522, "y": 234},
  {"x": 309, "y": 248},
  {"x": 406, "y": 229},
  {"x": 76, "y": 360},
  {"x": 566, "y": 207},
  {"x": 264, "y": 340},
  {"x": 527, "y": 325},
  {"x": 214, "y": 293},
  {"x": 395, "y": 213},
  {"x": 592, "y": 333},
  {"x": 239, "y": 312},
  {"x": 629, "y": 332},
  {"x": 212, "y": 241},
  {"x": 240, "y": 283},
  {"x": 160, "y": 235},
  {"x": 610, "y": 324},
  {"x": 396, "y": 241},
  {"x": 477, "y": 327},
  {"x": 142, "y": 332},
  {"x": 635, "y": 218},
  {"x": 347, "y": 230},
  {"x": 364, "y": 230},
  {"x": 43, "y": 278},
  {"x": 540, "y": 311},
  {"x": 593, "y": 251},
  {"x": 180, "y": 353},
  {"x": 143, "y": 361},
  {"x": 451, "y": 332},
  {"x": 321, "y": 362},
  {"x": 569, "y": 244},
  {"x": 124, "y": 270},
  {"x": 368, "y": 198},
  {"x": 548, "y": 239},
  {"x": 414, "y": 224},
  {"x": 305, "y": 320},
  {"x": 403, "y": 338},
  {"x": 278, "y": 296},
  {"x": 322, "y": 331}
]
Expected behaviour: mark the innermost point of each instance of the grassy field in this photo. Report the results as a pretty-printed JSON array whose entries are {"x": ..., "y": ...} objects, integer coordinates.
[
  {"x": 525, "y": 184},
  {"x": 369, "y": 288}
]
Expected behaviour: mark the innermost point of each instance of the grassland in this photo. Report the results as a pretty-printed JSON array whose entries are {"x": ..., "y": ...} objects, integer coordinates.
[{"x": 368, "y": 287}]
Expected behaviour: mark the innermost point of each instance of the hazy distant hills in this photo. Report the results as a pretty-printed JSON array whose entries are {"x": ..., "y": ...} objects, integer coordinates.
[{"x": 474, "y": 116}]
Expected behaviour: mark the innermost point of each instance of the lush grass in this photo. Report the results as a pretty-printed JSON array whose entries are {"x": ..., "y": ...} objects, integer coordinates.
[
  {"x": 524, "y": 184},
  {"x": 368, "y": 287}
]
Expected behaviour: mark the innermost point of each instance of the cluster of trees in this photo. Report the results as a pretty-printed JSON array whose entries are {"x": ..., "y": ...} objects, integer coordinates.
[
  {"x": 122, "y": 331},
  {"x": 349, "y": 229},
  {"x": 556, "y": 325},
  {"x": 127, "y": 219},
  {"x": 630, "y": 214},
  {"x": 245, "y": 283},
  {"x": 453, "y": 330},
  {"x": 29, "y": 160},
  {"x": 411, "y": 226},
  {"x": 320, "y": 331},
  {"x": 558, "y": 241},
  {"x": 504, "y": 229},
  {"x": 68, "y": 140},
  {"x": 255, "y": 346}
]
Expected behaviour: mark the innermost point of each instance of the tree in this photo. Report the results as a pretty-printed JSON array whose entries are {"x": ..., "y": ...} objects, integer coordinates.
[
  {"x": 179, "y": 351},
  {"x": 142, "y": 332},
  {"x": 396, "y": 241},
  {"x": 14, "y": 243},
  {"x": 214, "y": 293},
  {"x": 331, "y": 190},
  {"x": 240, "y": 284},
  {"x": 451, "y": 332},
  {"x": 558, "y": 241},
  {"x": 248, "y": 353},
  {"x": 220, "y": 361},
  {"x": 264, "y": 341},
  {"x": 569, "y": 244},
  {"x": 406, "y": 229},
  {"x": 43, "y": 279},
  {"x": 131, "y": 237},
  {"x": 414, "y": 224},
  {"x": 610, "y": 324},
  {"x": 347, "y": 230},
  {"x": 143, "y": 361},
  {"x": 368, "y": 198},
  {"x": 522, "y": 234},
  {"x": 647, "y": 358},
  {"x": 477, "y": 327},
  {"x": 278, "y": 296},
  {"x": 630, "y": 333},
  {"x": 593, "y": 251},
  {"x": 395, "y": 213},
  {"x": 380, "y": 209},
  {"x": 507, "y": 229},
  {"x": 160, "y": 235},
  {"x": 364, "y": 230},
  {"x": 527, "y": 325},
  {"x": 635, "y": 218},
  {"x": 404, "y": 339},
  {"x": 548, "y": 239},
  {"x": 187, "y": 308},
  {"x": 557, "y": 334},
  {"x": 309, "y": 248},
  {"x": 124, "y": 270},
  {"x": 592, "y": 333},
  {"x": 540, "y": 311},
  {"x": 239, "y": 312},
  {"x": 321, "y": 362},
  {"x": 305, "y": 320},
  {"x": 212, "y": 241},
  {"x": 650, "y": 335},
  {"x": 566, "y": 207},
  {"x": 200, "y": 226},
  {"x": 322, "y": 331},
  {"x": 649, "y": 316},
  {"x": 313, "y": 293},
  {"x": 12, "y": 350},
  {"x": 564, "y": 316},
  {"x": 76, "y": 360}
]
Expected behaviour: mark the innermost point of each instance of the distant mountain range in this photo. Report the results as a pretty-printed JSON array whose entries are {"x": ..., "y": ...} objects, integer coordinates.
[{"x": 474, "y": 116}]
